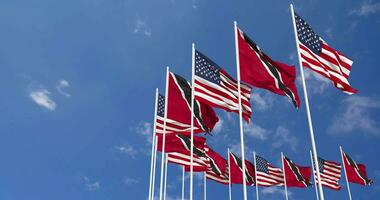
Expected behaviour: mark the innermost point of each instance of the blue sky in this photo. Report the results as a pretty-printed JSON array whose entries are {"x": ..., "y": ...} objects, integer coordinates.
[{"x": 78, "y": 80}]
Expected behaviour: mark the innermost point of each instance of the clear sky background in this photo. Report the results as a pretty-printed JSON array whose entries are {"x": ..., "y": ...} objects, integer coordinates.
[{"x": 77, "y": 89}]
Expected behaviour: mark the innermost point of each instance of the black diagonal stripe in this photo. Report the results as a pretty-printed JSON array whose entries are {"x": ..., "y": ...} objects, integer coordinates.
[
  {"x": 271, "y": 68},
  {"x": 249, "y": 178},
  {"x": 214, "y": 167},
  {"x": 367, "y": 181},
  {"x": 185, "y": 87},
  {"x": 186, "y": 140},
  {"x": 296, "y": 172}
]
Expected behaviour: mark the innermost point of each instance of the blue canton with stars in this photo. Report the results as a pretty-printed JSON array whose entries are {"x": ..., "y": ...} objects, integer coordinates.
[
  {"x": 261, "y": 164},
  {"x": 161, "y": 105},
  {"x": 321, "y": 163},
  {"x": 307, "y": 36},
  {"x": 206, "y": 68}
]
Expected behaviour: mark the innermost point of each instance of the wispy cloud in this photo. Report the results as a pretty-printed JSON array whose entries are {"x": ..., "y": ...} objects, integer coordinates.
[
  {"x": 256, "y": 131},
  {"x": 366, "y": 8},
  {"x": 274, "y": 190},
  {"x": 62, "y": 85},
  {"x": 283, "y": 137},
  {"x": 130, "y": 180},
  {"x": 316, "y": 82},
  {"x": 329, "y": 34},
  {"x": 141, "y": 27},
  {"x": 91, "y": 186},
  {"x": 262, "y": 100},
  {"x": 355, "y": 114},
  {"x": 145, "y": 129},
  {"x": 218, "y": 126},
  {"x": 42, "y": 98},
  {"x": 127, "y": 149}
]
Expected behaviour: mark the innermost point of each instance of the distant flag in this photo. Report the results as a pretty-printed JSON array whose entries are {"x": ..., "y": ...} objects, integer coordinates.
[
  {"x": 317, "y": 55},
  {"x": 218, "y": 168},
  {"x": 179, "y": 110},
  {"x": 356, "y": 173},
  {"x": 259, "y": 70},
  {"x": 236, "y": 171},
  {"x": 268, "y": 175},
  {"x": 330, "y": 173},
  {"x": 296, "y": 175},
  {"x": 215, "y": 87}
]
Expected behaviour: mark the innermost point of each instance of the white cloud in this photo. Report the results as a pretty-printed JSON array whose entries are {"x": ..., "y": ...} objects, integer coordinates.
[
  {"x": 61, "y": 86},
  {"x": 91, "y": 186},
  {"x": 316, "y": 83},
  {"x": 130, "y": 181},
  {"x": 262, "y": 100},
  {"x": 41, "y": 97},
  {"x": 141, "y": 27},
  {"x": 355, "y": 115},
  {"x": 127, "y": 149},
  {"x": 145, "y": 129},
  {"x": 256, "y": 131},
  {"x": 366, "y": 8},
  {"x": 283, "y": 137},
  {"x": 329, "y": 34},
  {"x": 218, "y": 126},
  {"x": 274, "y": 190}
]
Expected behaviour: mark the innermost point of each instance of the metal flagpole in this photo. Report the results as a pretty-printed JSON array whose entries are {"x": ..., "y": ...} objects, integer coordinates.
[
  {"x": 192, "y": 119},
  {"x": 229, "y": 176},
  {"x": 315, "y": 180},
  {"x": 313, "y": 145},
  {"x": 257, "y": 185},
  {"x": 164, "y": 133},
  {"x": 345, "y": 173},
  {"x": 153, "y": 143},
  {"x": 166, "y": 174},
  {"x": 183, "y": 182},
  {"x": 154, "y": 167},
  {"x": 204, "y": 187},
  {"x": 240, "y": 112},
  {"x": 283, "y": 169}
]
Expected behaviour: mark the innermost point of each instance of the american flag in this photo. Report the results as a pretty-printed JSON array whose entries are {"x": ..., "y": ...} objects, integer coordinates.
[
  {"x": 330, "y": 173},
  {"x": 267, "y": 174},
  {"x": 172, "y": 126},
  {"x": 215, "y": 87},
  {"x": 321, "y": 58}
]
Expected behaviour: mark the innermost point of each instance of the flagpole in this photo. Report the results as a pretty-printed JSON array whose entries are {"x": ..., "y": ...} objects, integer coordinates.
[
  {"x": 229, "y": 176},
  {"x": 240, "y": 112},
  {"x": 257, "y": 185},
  {"x": 313, "y": 145},
  {"x": 315, "y": 180},
  {"x": 283, "y": 169},
  {"x": 345, "y": 173},
  {"x": 153, "y": 143},
  {"x": 183, "y": 182},
  {"x": 204, "y": 187},
  {"x": 164, "y": 133},
  {"x": 154, "y": 166},
  {"x": 192, "y": 119},
  {"x": 166, "y": 174}
]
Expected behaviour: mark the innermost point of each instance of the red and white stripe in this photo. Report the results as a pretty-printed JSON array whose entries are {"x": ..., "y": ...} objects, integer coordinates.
[
  {"x": 221, "y": 179},
  {"x": 225, "y": 95},
  {"x": 331, "y": 64},
  {"x": 199, "y": 163},
  {"x": 274, "y": 177},
  {"x": 330, "y": 175},
  {"x": 173, "y": 126}
]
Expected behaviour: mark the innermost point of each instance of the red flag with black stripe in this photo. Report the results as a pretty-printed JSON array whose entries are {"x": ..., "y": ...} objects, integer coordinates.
[
  {"x": 356, "y": 173},
  {"x": 296, "y": 175}
]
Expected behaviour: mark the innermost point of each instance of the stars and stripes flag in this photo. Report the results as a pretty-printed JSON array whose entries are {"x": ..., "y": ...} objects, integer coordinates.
[
  {"x": 179, "y": 110},
  {"x": 330, "y": 173},
  {"x": 296, "y": 175},
  {"x": 268, "y": 175},
  {"x": 356, "y": 173},
  {"x": 215, "y": 87},
  {"x": 259, "y": 70},
  {"x": 317, "y": 55}
]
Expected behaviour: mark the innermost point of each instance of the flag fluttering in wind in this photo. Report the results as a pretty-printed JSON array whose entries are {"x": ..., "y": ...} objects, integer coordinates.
[
  {"x": 296, "y": 175},
  {"x": 215, "y": 87},
  {"x": 330, "y": 173},
  {"x": 236, "y": 170},
  {"x": 268, "y": 175},
  {"x": 218, "y": 169},
  {"x": 259, "y": 70},
  {"x": 317, "y": 55},
  {"x": 179, "y": 110},
  {"x": 356, "y": 173}
]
